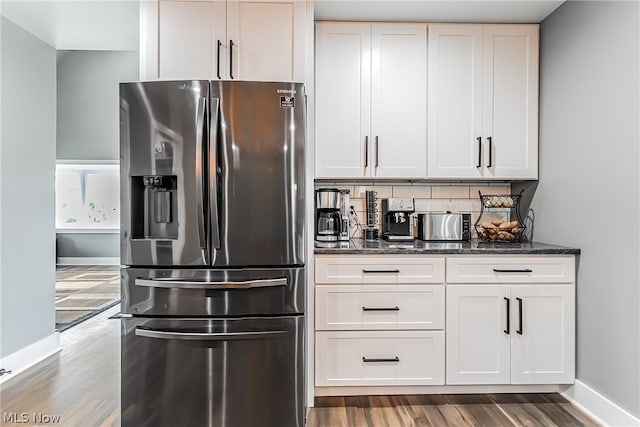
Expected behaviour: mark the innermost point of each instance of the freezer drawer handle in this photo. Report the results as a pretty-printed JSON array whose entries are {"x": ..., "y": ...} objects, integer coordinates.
[
  {"x": 392, "y": 359},
  {"x": 396, "y": 271},
  {"x": 523, "y": 270},
  {"x": 189, "y": 284},
  {"x": 396, "y": 308},
  {"x": 205, "y": 336}
]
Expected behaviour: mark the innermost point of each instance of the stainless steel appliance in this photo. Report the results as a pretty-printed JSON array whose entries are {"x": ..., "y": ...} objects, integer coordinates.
[
  {"x": 396, "y": 221},
  {"x": 444, "y": 226},
  {"x": 332, "y": 215},
  {"x": 212, "y": 239}
]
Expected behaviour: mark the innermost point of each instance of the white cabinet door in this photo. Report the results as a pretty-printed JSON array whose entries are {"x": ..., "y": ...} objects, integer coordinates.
[
  {"x": 510, "y": 113},
  {"x": 188, "y": 37},
  {"x": 343, "y": 99},
  {"x": 398, "y": 99},
  {"x": 511, "y": 269},
  {"x": 543, "y": 334},
  {"x": 359, "y": 307},
  {"x": 267, "y": 40},
  {"x": 455, "y": 101},
  {"x": 483, "y": 101},
  {"x": 382, "y": 269},
  {"x": 477, "y": 342},
  {"x": 373, "y": 358}
]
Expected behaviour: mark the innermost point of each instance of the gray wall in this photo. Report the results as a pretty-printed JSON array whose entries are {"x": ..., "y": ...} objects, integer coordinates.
[
  {"x": 88, "y": 102},
  {"x": 27, "y": 161},
  {"x": 88, "y": 245},
  {"x": 588, "y": 194}
]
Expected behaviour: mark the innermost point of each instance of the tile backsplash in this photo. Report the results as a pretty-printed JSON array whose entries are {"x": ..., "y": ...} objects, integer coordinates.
[{"x": 428, "y": 197}]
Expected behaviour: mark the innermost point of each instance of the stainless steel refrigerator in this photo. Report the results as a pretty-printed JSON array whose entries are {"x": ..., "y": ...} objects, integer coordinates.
[{"x": 212, "y": 243}]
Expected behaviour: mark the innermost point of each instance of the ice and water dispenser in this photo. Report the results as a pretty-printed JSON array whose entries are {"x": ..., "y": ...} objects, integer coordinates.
[{"x": 154, "y": 207}]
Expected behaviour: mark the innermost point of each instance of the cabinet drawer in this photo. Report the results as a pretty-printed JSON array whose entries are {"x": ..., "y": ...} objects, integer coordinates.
[
  {"x": 379, "y": 269},
  {"x": 511, "y": 269},
  {"x": 379, "y": 307},
  {"x": 379, "y": 358}
]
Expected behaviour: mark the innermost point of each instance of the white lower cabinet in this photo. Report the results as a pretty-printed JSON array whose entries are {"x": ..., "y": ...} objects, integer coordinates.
[
  {"x": 452, "y": 320},
  {"x": 379, "y": 320},
  {"x": 510, "y": 334},
  {"x": 379, "y": 307},
  {"x": 374, "y": 358}
]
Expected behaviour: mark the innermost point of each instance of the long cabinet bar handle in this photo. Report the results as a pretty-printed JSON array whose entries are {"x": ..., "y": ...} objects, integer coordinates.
[
  {"x": 508, "y": 330},
  {"x": 396, "y": 308},
  {"x": 231, "y": 59},
  {"x": 218, "y": 56},
  {"x": 396, "y": 271},
  {"x": 391, "y": 359},
  {"x": 377, "y": 163},
  {"x": 489, "y": 141},
  {"x": 519, "y": 330},
  {"x": 516, "y": 270},
  {"x": 366, "y": 151},
  {"x": 205, "y": 336},
  {"x": 479, "y": 139},
  {"x": 194, "y": 284}
]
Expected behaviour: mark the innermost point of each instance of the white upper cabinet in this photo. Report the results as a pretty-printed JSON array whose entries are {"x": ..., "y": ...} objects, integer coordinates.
[
  {"x": 483, "y": 101},
  {"x": 370, "y": 100},
  {"x": 343, "y": 99},
  {"x": 398, "y": 100},
  {"x": 268, "y": 39},
  {"x": 236, "y": 39},
  {"x": 190, "y": 54}
]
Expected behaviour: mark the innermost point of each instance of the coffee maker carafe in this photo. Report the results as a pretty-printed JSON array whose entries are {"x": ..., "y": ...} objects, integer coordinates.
[
  {"x": 396, "y": 221},
  {"x": 332, "y": 215}
]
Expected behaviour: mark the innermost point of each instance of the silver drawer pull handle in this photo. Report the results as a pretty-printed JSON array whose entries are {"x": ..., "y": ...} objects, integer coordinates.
[
  {"x": 523, "y": 270},
  {"x": 191, "y": 284},
  {"x": 396, "y": 271},
  {"x": 396, "y": 308},
  {"x": 393, "y": 359},
  {"x": 198, "y": 336}
]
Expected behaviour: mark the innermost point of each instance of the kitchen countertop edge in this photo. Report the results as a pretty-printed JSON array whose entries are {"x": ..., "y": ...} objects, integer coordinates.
[{"x": 418, "y": 247}]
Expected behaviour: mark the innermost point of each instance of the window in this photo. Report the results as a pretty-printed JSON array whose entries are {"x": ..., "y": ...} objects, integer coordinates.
[{"x": 87, "y": 196}]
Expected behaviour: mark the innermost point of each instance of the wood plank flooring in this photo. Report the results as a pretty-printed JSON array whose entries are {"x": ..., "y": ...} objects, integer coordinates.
[
  {"x": 81, "y": 384},
  {"x": 492, "y": 410}
]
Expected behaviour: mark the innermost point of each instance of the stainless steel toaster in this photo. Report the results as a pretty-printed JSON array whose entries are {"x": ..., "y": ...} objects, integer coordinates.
[{"x": 444, "y": 226}]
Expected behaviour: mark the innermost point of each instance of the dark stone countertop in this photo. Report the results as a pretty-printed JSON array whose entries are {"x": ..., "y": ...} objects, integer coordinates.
[{"x": 416, "y": 247}]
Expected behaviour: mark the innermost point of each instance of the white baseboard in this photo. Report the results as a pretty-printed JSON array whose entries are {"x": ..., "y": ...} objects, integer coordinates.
[
  {"x": 88, "y": 260},
  {"x": 598, "y": 406},
  {"x": 28, "y": 356}
]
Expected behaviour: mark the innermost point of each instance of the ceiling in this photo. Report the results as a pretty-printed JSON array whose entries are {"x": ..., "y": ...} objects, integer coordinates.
[
  {"x": 78, "y": 24},
  {"x": 113, "y": 24},
  {"x": 505, "y": 11}
]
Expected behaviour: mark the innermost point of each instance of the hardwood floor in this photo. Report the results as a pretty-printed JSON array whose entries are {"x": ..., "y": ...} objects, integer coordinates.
[
  {"x": 492, "y": 410},
  {"x": 83, "y": 291},
  {"x": 81, "y": 384}
]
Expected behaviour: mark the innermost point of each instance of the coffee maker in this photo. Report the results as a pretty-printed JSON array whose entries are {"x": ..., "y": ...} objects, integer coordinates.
[
  {"x": 332, "y": 215},
  {"x": 396, "y": 223}
]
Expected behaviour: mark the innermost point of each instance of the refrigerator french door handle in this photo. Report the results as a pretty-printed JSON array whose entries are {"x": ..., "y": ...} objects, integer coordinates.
[
  {"x": 213, "y": 167},
  {"x": 205, "y": 336},
  {"x": 200, "y": 177},
  {"x": 190, "y": 284}
]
